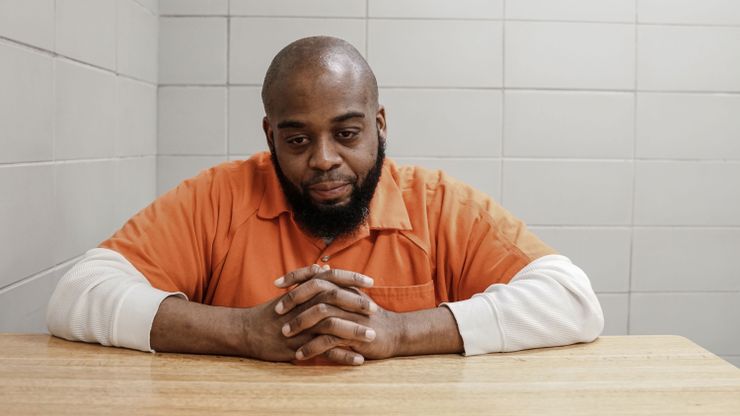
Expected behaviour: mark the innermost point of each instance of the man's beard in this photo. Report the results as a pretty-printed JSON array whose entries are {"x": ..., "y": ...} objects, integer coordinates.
[{"x": 330, "y": 221}]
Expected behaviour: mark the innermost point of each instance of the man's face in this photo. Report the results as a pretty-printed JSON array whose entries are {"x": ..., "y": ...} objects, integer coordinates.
[{"x": 326, "y": 136}]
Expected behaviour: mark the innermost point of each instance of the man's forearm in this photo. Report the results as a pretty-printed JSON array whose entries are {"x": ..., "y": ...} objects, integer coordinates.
[
  {"x": 430, "y": 331},
  {"x": 189, "y": 327}
]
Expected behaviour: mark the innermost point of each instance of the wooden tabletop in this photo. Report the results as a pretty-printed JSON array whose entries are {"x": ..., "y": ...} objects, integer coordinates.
[{"x": 642, "y": 375}]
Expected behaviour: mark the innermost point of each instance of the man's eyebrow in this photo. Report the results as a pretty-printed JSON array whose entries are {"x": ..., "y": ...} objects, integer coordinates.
[
  {"x": 347, "y": 116},
  {"x": 290, "y": 124}
]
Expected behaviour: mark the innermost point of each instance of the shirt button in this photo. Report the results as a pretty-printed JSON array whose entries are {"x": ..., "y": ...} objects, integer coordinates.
[{"x": 325, "y": 259}]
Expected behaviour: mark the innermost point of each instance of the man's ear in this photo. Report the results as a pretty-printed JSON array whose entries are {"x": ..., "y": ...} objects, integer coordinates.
[
  {"x": 380, "y": 122},
  {"x": 268, "y": 133}
]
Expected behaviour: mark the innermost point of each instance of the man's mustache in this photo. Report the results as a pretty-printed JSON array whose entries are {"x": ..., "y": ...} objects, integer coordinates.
[{"x": 329, "y": 177}]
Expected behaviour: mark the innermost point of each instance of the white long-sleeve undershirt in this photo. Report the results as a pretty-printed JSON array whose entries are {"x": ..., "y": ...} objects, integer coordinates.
[{"x": 550, "y": 302}]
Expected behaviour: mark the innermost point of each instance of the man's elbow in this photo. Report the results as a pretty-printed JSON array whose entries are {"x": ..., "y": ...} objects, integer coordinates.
[{"x": 592, "y": 324}]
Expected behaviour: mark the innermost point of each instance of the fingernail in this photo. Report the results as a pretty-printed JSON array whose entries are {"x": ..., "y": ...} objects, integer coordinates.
[
  {"x": 370, "y": 334},
  {"x": 325, "y": 267},
  {"x": 286, "y": 329},
  {"x": 357, "y": 360},
  {"x": 279, "y": 307},
  {"x": 299, "y": 355},
  {"x": 373, "y": 307},
  {"x": 279, "y": 281},
  {"x": 368, "y": 281}
]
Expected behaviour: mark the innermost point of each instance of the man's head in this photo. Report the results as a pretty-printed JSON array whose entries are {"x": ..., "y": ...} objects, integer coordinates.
[{"x": 326, "y": 132}]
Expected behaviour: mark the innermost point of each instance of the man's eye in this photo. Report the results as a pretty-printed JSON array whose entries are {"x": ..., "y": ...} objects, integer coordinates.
[
  {"x": 346, "y": 134},
  {"x": 297, "y": 140}
]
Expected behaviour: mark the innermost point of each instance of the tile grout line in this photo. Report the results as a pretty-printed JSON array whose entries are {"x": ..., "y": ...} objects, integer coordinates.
[
  {"x": 227, "y": 106},
  {"x": 503, "y": 104},
  {"x": 462, "y": 19},
  {"x": 634, "y": 172}
]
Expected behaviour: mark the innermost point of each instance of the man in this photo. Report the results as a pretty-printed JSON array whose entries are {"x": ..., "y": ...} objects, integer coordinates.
[{"x": 322, "y": 248}]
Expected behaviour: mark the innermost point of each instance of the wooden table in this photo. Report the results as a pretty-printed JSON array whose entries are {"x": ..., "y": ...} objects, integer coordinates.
[{"x": 650, "y": 375}]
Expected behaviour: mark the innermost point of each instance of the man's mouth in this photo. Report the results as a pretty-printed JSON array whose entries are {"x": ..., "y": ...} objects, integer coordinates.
[{"x": 330, "y": 190}]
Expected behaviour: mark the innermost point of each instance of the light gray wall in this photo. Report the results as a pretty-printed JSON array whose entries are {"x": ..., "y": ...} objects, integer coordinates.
[
  {"x": 612, "y": 127},
  {"x": 78, "y": 94}
]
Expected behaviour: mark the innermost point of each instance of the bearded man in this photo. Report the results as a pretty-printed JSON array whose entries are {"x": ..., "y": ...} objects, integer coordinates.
[{"x": 324, "y": 249}]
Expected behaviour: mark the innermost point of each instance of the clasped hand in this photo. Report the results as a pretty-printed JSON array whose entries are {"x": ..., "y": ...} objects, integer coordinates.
[{"x": 325, "y": 315}]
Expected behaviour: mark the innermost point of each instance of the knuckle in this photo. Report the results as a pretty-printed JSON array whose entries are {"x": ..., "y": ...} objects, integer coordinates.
[
  {"x": 296, "y": 323},
  {"x": 322, "y": 308},
  {"x": 357, "y": 278}
]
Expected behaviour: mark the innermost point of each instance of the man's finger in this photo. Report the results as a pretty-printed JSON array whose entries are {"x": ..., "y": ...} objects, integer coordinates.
[
  {"x": 298, "y": 276},
  {"x": 328, "y": 293},
  {"x": 302, "y": 293},
  {"x": 342, "y": 356},
  {"x": 323, "y": 344},
  {"x": 345, "y": 278},
  {"x": 323, "y": 319}
]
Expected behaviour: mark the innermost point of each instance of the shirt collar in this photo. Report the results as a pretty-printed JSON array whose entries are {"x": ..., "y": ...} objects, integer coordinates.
[{"x": 387, "y": 208}]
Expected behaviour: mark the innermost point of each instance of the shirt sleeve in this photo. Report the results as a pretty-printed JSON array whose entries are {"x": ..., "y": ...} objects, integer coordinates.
[
  {"x": 548, "y": 303},
  {"x": 104, "y": 299}
]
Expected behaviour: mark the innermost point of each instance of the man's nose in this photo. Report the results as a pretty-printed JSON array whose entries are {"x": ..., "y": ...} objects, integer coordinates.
[{"x": 324, "y": 156}]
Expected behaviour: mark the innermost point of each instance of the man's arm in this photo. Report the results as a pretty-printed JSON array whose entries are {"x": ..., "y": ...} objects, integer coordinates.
[
  {"x": 548, "y": 303},
  {"x": 104, "y": 299}
]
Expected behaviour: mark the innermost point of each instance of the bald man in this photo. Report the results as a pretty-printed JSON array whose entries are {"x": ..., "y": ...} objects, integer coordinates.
[{"x": 323, "y": 249}]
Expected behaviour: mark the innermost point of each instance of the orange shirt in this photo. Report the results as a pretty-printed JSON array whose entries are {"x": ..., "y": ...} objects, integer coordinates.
[{"x": 224, "y": 236}]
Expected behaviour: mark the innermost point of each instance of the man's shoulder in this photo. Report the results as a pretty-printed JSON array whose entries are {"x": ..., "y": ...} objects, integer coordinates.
[{"x": 434, "y": 185}]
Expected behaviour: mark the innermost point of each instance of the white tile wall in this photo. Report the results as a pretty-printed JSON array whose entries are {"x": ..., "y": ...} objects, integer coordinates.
[
  {"x": 301, "y": 8},
  {"x": 475, "y": 9},
  {"x": 688, "y": 126},
  {"x": 250, "y": 50},
  {"x": 26, "y": 104},
  {"x": 572, "y": 10},
  {"x": 194, "y": 7},
  {"x": 462, "y": 53},
  {"x": 136, "y": 51},
  {"x": 466, "y": 122},
  {"x": 541, "y": 124},
  {"x": 616, "y": 313},
  {"x": 84, "y": 207},
  {"x": 482, "y": 174},
  {"x": 68, "y": 91},
  {"x": 28, "y": 21},
  {"x": 26, "y": 220},
  {"x": 23, "y": 308},
  {"x": 85, "y": 119},
  {"x": 86, "y": 31},
  {"x": 135, "y": 187},
  {"x": 709, "y": 319},
  {"x": 687, "y": 193},
  {"x": 569, "y": 192},
  {"x": 151, "y": 5},
  {"x": 245, "y": 121},
  {"x": 171, "y": 170},
  {"x": 193, "y": 50},
  {"x": 569, "y": 55},
  {"x": 603, "y": 253},
  {"x": 192, "y": 120},
  {"x": 709, "y": 12},
  {"x": 686, "y": 259},
  {"x": 136, "y": 118},
  {"x": 673, "y": 58}
]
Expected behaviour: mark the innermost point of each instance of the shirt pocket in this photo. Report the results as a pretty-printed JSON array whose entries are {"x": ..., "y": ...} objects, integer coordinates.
[{"x": 404, "y": 298}]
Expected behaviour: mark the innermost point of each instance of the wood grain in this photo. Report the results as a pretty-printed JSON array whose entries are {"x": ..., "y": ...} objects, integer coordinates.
[{"x": 631, "y": 375}]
